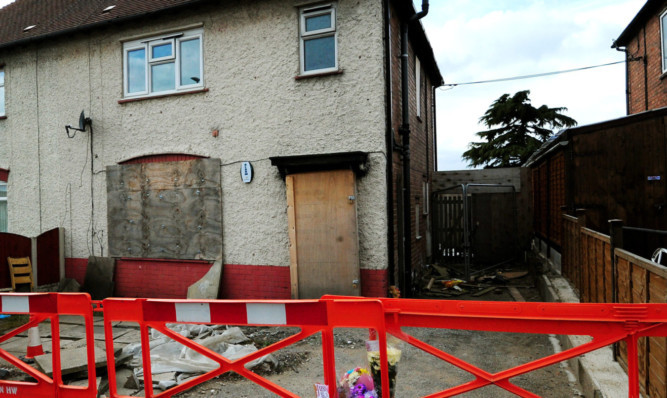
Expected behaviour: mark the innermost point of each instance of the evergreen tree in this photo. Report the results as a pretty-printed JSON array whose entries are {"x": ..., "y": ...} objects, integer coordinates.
[{"x": 516, "y": 130}]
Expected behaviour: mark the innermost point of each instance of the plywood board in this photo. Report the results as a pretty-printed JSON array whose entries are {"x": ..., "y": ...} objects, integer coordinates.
[
  {"x": 165, "y": 210},
  {"x": 326, "y": 233}
]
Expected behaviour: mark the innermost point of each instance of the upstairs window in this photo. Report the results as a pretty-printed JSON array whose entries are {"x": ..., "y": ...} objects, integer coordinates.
[
  {"x": 663, "y": 40},
  {"x": 318, "y": 46},
  {"x": 2, "y": 92},
  {"x": 163, "y": 65}
]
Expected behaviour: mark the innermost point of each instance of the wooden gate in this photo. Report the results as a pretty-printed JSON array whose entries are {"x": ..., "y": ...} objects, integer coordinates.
[
  {"x": 323, "y": 233},
  {"x": 448, "y": 228}
]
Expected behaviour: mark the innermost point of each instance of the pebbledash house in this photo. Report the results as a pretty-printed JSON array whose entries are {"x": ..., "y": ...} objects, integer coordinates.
[{"x": 269, "y": 138}]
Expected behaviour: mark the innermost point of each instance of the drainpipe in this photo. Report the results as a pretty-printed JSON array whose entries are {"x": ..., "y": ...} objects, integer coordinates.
[
  {"x": 404, "y": 130},
  {"x": 389, "y": 135}
]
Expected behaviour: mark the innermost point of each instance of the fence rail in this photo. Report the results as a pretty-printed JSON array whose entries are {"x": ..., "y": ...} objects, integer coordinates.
[{"x": 603, "y": 272}]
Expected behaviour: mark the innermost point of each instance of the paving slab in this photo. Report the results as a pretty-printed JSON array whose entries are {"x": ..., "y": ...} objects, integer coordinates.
[
  {"x": 72, "y": 361},
  {"x": 17, "y": 346}
]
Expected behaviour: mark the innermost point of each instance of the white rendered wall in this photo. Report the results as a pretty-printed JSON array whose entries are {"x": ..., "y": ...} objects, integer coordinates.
[{"x": 251, "y": 56}]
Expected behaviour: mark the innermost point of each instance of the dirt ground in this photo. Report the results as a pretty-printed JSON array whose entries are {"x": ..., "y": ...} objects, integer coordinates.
[{"x": 419, "y": 373}]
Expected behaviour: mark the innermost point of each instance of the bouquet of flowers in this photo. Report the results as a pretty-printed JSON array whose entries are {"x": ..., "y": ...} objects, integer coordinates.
[
  {"x": 373, "y": 356},
  {"x": 356, "y": 383}
]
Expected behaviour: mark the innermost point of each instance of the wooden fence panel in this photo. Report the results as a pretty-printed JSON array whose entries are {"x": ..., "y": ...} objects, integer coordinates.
[
  {"x": 48, "y": 257},
  {"x": 657, "y": 346},
  {"x": 11, "y": 245},
  {"x": 639, "y": 295}
]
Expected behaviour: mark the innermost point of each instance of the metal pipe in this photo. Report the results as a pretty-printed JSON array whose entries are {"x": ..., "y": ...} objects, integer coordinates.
[
  {"x": 389, "y": 142},
  {"x": 405, "y": 132}
]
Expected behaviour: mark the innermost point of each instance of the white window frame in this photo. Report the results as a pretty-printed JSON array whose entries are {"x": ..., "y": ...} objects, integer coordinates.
[
  {"x": 2, "y": 98},
  {"x": 663, "y": 40},
  {"x": 418, "y": 86},
  {"x": 5, "y": 200},
  {"x": 147, "y": 44},
  {"x": 327, "y": 32}
]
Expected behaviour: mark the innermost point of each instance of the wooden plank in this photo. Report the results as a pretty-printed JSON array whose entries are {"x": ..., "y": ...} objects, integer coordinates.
[
  {"x": 600, "y": 271},
  {"x": 291, "y": 220},
  {"x": 327, "y": 237},
  {"x": 642, "y": 262},
  {"x": 657, "y": 346},
  {"x": 596, "y": 234},
  {"x": 608, "y": 275}
]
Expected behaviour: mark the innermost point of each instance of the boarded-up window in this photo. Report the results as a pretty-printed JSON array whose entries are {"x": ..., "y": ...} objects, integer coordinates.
[{"x": 165, "y": 210}]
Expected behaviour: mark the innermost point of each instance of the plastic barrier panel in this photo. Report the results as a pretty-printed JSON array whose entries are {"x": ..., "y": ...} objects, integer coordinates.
[
  {"x": 42, "y": 307},
  {"x": 605, "y": 323},
  {"x": 311, "y": 316}
]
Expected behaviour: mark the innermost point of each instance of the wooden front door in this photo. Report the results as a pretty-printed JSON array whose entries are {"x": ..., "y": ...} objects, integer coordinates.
[{"x": 324, "y": 244}]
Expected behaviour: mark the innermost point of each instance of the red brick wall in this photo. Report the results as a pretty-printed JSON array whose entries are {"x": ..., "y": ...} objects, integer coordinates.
[
  {"x": 255, "y": 282},
  {"x": 146, "y": 278},
  {"x": 421, "y": 144},
  {"x": 170, "y": 279},
  {"x": 374, "y": 283},
  {"x": 647, "y": 87}
]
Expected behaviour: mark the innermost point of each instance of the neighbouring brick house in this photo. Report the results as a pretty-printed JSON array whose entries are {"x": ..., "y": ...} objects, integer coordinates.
[
  {"x": 263, "y": 134},
  {"x": 644, "y": 41}
]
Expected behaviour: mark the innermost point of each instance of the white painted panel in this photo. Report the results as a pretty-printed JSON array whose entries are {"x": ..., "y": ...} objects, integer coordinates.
[
  {"x": 193, "y": 312},
  {"x": 266, "y": 314},
  {"x": 15, "y": 304}
]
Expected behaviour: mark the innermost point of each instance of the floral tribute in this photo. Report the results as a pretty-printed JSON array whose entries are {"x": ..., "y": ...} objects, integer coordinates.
[
  {"x": 393, "y": 357},
  {"x": 356, "y": 383}
]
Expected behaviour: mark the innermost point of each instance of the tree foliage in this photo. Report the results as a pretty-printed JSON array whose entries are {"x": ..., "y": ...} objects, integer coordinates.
[{"x": 516, "y": 130}]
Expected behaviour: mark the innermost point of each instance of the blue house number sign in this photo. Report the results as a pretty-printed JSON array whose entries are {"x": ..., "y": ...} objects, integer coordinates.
[{"x": 246, "y": 172}]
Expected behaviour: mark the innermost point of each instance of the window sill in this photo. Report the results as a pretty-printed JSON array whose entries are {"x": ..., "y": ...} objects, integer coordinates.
[
  {"x": 419, "y": 119},
  {"x": 150, "y": 97},
  {"x": 334, "y": 72},
  {"x": 3, "y": 117},
  {"x": 663, "y": 76}
]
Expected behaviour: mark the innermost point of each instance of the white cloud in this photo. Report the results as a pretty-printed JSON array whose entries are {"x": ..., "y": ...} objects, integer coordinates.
[
  {"x": 485, "y": 39},
  {"x": 5, "y": 2}
]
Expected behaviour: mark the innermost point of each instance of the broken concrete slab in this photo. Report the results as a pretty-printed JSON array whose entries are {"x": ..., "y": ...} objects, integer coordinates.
[
  {"x": 71, "y": 320},
  {"x": 17, "y": 346},
  {"x": 68, "y": 285},
  {"x": 125, "y": 378},
  {"x": 132, "y": 336},
  {"x": 98, "y": 332},
  {"x": 209, "y": 285},
  {"x": 71, "y": 361},
  {"x": 98, "y": 281},
  {"x": 81, "y": 343}
]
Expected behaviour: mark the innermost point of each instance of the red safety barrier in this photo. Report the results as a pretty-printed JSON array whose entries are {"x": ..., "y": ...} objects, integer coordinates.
[
  {"x": 311, "y": 316},
  {"x": 605, "y": 323},
  {"x": 41, "y": 307}
]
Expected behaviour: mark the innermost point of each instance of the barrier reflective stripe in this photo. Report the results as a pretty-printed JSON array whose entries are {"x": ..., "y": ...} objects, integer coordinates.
[
  {"x": 236, "y": 313},
  {"x": 42, "y": 307},
  {"x": 14, "y": 303}
]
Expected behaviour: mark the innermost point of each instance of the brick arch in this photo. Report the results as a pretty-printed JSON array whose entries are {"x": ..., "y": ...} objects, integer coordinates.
[
  {"x": 166, "y": 157},
  {"x": 4, "y": 175}
]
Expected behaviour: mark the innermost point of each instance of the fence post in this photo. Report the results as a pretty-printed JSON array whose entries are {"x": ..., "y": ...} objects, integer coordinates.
[
  {"x": 581, "y": 219},
  {"x": 615, "y": 241}
]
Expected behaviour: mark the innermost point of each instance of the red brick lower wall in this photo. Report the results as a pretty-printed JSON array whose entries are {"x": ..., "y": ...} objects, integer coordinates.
[
  {"x": 255, "y": 282},
  {"x": 171, "y": 279},
  {"x": 374, "y": 282}
]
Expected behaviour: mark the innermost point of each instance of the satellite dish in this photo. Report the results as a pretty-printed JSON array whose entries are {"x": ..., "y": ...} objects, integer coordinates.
[{"x": 82, "y": 121}]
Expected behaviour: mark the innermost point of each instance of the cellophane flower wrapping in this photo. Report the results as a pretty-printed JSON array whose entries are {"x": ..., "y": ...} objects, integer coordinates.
[
  {"x": 356, "y": 383},
  {"x": 374, "y": 364}
]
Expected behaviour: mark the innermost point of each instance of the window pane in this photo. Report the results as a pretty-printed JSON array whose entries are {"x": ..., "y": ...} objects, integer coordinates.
[
  {"x": 318, "y": 22},
  {"x": 136, "y": 73},
  {"x": 2, "y": 100},
  {"x": 190, "y": 62},
  {"x": 3, "y": 190},
  {"x": 319, "y": 53},
  {"x": 3, "y": 216},
  {"x": 163, "y": 77},
  {"x": 162, "y": 50},
  {"x": 2, "y": 77}
]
